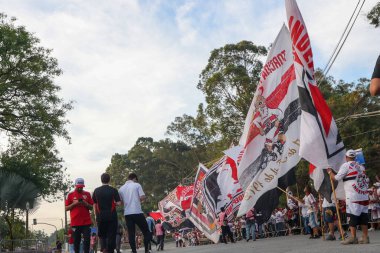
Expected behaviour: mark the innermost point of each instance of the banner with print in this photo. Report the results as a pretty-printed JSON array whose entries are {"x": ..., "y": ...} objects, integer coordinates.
[
  {"x": 320, "y": 142},
  {"x": 171, "y": 210},
  {"x": 201, "y": 214},
  {"x": 156, "y": 215},
  {"x": 222, "y": 187},
  {"x": 271, "y": 132},
  {"x": 185, "y": 195}
]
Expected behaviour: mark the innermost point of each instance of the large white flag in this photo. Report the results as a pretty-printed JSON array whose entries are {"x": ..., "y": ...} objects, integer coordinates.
[
  {"x": 320, "y": 142},
  {"x": 271, "y": 132}
]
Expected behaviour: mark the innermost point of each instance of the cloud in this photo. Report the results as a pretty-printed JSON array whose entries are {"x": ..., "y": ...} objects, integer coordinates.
[{"x": 132, "y": 66}]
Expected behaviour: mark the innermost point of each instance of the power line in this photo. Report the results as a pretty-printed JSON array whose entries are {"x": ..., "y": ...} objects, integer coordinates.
[
  {"x": 340, "y": 39},
  {"x": 359, "y": 115},
  {"x": 374, "y": 130}
]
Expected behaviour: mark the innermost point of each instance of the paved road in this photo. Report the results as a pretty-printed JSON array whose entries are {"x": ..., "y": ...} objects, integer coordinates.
[{"x": 293, "y": 244}]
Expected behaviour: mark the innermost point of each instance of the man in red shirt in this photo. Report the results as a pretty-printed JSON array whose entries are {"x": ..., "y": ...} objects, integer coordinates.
[{"x": 79, "y": 203}]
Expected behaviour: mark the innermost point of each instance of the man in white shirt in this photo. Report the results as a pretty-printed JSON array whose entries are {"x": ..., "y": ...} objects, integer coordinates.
[
  {"x": 132, "y": 194},
  {"x": 356, "y": 189}
]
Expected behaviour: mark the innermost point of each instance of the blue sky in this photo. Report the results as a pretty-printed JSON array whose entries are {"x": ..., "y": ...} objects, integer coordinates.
[{"x": 132, "y": 66}]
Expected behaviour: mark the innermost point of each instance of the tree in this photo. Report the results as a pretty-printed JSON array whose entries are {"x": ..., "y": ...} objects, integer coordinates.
[
  {"x": 228, "y": 81},
  {"x": 30, "y": 108},
  {"x": 40, "y": 165},
  {"x": 15, "y": 193},
  {"x": 118, "y": 169},
  {"x": 160, "y": 166},
  {"x": 374, "y": 15}
]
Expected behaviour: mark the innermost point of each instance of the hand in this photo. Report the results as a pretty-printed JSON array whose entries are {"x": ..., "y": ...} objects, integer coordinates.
[{"x": 75, "y": 202}]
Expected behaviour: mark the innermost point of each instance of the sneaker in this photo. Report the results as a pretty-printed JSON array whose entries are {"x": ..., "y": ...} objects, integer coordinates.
[
  {"x": 363, "y": 240},
  {"x": 371, "y": 229},
  {"x": 351, "y": 240},
  {"x": 330, "y": 238}
]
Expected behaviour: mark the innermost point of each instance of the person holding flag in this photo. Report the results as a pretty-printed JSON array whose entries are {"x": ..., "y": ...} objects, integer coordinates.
[{"x": 356, "y": 189}]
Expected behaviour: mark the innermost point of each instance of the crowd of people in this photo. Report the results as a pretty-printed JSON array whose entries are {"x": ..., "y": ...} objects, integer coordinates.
[
  {"x": 310, "y": 215},
  {"x": 316, "y": 215}
]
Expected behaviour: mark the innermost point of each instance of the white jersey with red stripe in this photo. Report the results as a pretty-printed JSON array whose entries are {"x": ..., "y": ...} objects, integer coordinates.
[{"x": 355, "y": 182}]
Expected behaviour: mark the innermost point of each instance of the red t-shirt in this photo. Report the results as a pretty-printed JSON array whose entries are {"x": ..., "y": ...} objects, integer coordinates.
[
  {"x": 79, "y": 215},
  {"x": 70, "y": 235}
]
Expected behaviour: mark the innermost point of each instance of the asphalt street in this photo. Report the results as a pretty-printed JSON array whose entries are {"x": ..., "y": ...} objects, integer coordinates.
[{"x": 287, "y": 244}]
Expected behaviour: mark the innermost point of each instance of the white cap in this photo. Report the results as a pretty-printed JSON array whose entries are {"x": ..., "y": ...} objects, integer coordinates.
[{"x": 351, "y": 153}]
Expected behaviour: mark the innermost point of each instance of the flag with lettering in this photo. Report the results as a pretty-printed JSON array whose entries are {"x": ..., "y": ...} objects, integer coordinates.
[
  {"x": 201, "y": 214},
  {"x": 222, "y": 187},
  {"x": 320, "y": 142},
  {"x": 271, "y": 132}
]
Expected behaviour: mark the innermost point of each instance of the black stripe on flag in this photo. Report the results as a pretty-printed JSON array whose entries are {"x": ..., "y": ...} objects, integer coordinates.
[{"x": 269, "y": 200}]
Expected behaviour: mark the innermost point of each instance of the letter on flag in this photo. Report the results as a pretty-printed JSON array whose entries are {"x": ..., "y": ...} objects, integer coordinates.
[
  {"x": 271, "y": 132},
  {"x": 320, "y": 142}
]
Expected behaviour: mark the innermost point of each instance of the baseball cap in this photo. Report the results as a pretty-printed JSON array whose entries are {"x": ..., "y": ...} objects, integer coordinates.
[
  {"x": 79, "y": 182},
  {"x": 351, "y": 153}
]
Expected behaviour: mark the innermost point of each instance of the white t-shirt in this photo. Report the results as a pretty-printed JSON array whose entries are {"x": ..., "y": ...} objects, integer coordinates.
[
  {"x": 291, "y": 204},
  {"x": 280, "y": 217},
  {"x": 130, "y": 194},
  {"x": 310, "y": 203},
  {"x": 355, "y": 181},
  {"x": 325, "y": 203},
  {"x": 304, "y": 210}
]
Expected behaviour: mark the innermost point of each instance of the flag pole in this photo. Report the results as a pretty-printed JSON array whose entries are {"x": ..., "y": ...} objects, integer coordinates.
[
  {"x": 299, "y": 208},
  {"x": 337, "y": 208},
  {"x": 322, "y": 223},
  {"x": 296, "y": 199}
]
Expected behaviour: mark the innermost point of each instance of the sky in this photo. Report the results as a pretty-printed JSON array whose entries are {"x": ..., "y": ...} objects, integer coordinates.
[{"x": 132, "y": 66}]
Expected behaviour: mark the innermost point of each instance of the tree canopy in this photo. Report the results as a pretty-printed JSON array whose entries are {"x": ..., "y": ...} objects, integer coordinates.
[
  {"x": 374, "y": 15},
  {"x": 228, "y": 82},
  {"x": 30, "y": 108},
  {"x": 32, "y": 115}
]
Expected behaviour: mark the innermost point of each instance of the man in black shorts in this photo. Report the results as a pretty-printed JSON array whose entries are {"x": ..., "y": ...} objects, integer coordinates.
[
  {"x": 374, "y": 87},
  {"x": 106, "y": 198}
]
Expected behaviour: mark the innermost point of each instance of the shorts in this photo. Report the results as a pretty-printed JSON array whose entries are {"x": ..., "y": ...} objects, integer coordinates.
[
  {"x": 356, "y": 209},
  {"x": 354, "y": 220},
  {"x": 313, "y": 220},
  {"x": 328, "y": 214}
]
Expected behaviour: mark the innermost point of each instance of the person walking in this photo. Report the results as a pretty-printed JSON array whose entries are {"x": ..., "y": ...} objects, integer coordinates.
[
  {"x": 132, "y": 195},
  {"x": 356, "y": 188},
  {"x": 223, "y": 222},
  {"x": 152, "y": 228},
  {"x": 250, "y": 224},
  {"x": 106, "y": 198},
  {"x": 119, "y": 235},
  {"x": 160, "y": 233},
  {"x": 79, "y": 203},
  {"x": 310, "y": 203}
]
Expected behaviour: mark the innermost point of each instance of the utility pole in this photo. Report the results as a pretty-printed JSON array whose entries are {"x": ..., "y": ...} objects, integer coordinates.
[
  {"x": 27, "y": 219},
  {"x": 64, "y": 208}
]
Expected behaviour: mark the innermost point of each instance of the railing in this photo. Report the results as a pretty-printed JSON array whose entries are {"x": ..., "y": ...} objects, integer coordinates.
[{"x": 25, "y": 246}]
